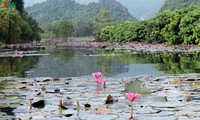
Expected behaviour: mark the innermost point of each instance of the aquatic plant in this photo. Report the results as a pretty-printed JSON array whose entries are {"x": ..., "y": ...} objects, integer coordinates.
[
  {"x": 39, "y": 104},
  {"x": 97, "y": 74},
  {"x": 131, "y": 97},
  {"x": 99, "y": 80},
  {"x": 61, "y": 105}
]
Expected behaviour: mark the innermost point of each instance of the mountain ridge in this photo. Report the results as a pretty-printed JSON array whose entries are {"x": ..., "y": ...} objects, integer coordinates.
[
  {"x": 138, "y": 8},
  {"x": 53, "y": 11}
]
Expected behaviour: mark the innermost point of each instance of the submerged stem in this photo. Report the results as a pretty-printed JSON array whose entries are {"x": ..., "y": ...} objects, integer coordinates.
[{"x": 131, "y": 109}]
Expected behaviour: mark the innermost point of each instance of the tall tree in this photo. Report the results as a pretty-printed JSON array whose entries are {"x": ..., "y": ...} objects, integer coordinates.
[
  {"x": 10, "y": 24},
  {"x": 16, "y": 25},
  {"x": 64, "y": 29}
]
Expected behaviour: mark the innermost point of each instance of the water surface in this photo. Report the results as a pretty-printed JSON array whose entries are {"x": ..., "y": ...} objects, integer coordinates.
[{"x": 80, "y": 62}]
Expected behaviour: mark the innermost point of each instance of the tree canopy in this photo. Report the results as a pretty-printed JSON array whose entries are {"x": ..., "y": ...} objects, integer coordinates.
[
  {"x": 177, "y": 27},
  {"x": 63, "y": 29},
  {"x": 16, "y": 25}
]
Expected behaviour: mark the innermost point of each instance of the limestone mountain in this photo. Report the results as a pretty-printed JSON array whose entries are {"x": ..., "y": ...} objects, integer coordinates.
[
  {"x": 53, "y": 11},
  {"x": 140, "y": 9}
]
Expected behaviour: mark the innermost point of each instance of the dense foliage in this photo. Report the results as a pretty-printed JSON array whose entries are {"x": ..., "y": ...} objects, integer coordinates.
[
  {"x": 179, "y": 4},
  {"x": 63, "y": 29},
  {"x": 17, "y": 26},
  {"x": 101, "y": 20},
  {"x": 178, "y": 27}
]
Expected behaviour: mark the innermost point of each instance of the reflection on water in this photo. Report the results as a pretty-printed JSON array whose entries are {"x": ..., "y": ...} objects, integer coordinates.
[
  {"x": 8, "y": 110},
  {"x": 15, "y": 66},
  {"x": 71, "y": 62}
]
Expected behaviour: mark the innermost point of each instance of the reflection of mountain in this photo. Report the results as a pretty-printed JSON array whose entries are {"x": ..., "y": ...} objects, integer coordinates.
[{"x": 78, "y": 64}]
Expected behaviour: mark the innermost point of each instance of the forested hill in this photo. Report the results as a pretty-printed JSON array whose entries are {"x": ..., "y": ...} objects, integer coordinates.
[
  {"x": 178, "y": 4},
  {"x": 140, "y": 9},
  {"x": 53, "y": 11}
]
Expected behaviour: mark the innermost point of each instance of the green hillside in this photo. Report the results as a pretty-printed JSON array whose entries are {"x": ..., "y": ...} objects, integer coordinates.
[
  {"x": 179, "y": 4},
  {"x": 53, "y": 11},
  {"x": 140, "y": 9}
]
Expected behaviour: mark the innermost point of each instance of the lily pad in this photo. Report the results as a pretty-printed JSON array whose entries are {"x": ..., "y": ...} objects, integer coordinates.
[
  {"x": 98, "y": 117},
  {"x": 137, "y": 86}
]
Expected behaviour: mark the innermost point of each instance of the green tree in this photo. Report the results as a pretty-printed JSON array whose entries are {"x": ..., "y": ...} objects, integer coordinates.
[
  {"x": 176, "y": 27},
  {"x": 30, "y": 29},
  {"x": 103, "y": 19},
  {"x": 16, "y": 25},
  {"x": 189, "y": 30},
  {"x": 83, "y": 28},
  {"x": 10, "y": 25},
  {"x": 63, "y": 29}
]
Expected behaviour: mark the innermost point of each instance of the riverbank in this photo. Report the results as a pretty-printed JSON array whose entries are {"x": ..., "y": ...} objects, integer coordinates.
[
  {"x": 136, "y": 46},
  {"x": 168, "y": 97},
  {"x": 125, "y": 47}
]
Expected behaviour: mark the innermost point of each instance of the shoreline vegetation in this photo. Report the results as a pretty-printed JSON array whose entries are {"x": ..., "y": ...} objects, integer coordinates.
[{"x": 129, "y": 47}]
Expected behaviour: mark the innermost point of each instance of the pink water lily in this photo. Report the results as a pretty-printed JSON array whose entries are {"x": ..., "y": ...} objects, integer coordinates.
[
  {"x": 18, "y": 52},
  {"x": 100, "y": 80},
  {"x": 97, "y": 74},
  {"x": 132, "y": 96}
]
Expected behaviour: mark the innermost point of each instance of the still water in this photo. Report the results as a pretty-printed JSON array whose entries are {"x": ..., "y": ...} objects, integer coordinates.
[{"x": 81, "y": 62}]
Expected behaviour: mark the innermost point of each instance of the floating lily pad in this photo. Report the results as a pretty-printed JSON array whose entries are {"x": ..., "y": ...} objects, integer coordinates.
[
  {"x": 167, "y": 105},
  {"x": 137, "y": 86},
  {"x": 98, "y": 117}
]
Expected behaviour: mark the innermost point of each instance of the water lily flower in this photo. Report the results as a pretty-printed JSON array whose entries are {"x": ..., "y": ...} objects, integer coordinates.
[
  {"x": 18, "y": 52},
  {"x": 132, "y": 97},
  {"x": 100, "y": 80},
  {"x": 97, "y": 74}
]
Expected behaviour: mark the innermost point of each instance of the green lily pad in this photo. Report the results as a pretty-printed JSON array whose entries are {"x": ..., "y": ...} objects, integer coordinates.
[{"x": 137, "y": 86}]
